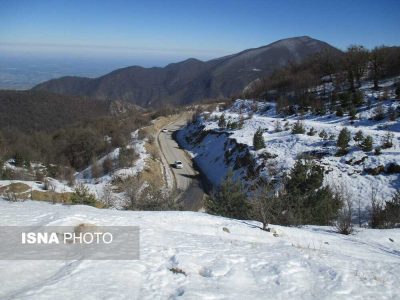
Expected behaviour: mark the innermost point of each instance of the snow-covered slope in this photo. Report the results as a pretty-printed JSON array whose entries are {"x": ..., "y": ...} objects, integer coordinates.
[
  {"x": 215, "y": 150},
  {"x": 238, "y": 262}
]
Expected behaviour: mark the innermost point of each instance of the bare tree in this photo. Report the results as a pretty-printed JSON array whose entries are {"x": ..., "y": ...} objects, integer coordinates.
[{"x": 344, "y": 224}]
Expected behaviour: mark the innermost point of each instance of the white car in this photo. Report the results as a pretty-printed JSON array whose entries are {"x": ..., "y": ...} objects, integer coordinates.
[
  {"x": 178, "y": 164},
  {"x": 165, "y": 130}
]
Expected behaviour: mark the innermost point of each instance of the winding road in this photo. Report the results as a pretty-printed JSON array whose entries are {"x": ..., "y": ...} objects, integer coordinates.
[{"x": 186, "y": 180}]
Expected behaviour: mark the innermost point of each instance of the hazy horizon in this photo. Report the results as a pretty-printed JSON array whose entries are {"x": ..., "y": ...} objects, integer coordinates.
[{"x": 45, "y": 39}]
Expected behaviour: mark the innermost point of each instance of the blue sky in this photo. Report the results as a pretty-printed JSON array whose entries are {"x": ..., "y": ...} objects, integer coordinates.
[{"x": 162, "y": 31}]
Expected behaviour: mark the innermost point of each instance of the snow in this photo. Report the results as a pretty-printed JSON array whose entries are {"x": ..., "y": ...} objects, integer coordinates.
[
  {"x": 96, "y": 186},
  {"x": 240, "y": 262},
  {"x": 344, "y": 171}
]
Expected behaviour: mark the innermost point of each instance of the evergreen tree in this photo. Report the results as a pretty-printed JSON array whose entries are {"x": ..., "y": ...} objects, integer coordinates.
[
  {"x": 82, "y": 195},
  {"x": 367, "y": 144},
  {"x": 339, "y": 112},
  {"x": 307, "y": 201},
  {"x": 353, "y": 113},
  {"x": 343, "y": 141},
  {"x": 229, "y": 200},
  {"x": 358, "y": 98},
  {"x": 298, "y": 128},
  {"x": 222, "y": 121},
  {"x": 258, "y": 139},
  {"x": 359, "y": 137}
]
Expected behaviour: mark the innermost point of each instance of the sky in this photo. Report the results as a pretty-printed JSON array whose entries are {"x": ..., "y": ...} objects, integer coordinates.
[{"x": 157, "y": 32}]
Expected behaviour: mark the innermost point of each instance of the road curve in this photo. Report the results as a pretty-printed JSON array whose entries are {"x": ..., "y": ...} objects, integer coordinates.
[{"x": 186, "y": 179}]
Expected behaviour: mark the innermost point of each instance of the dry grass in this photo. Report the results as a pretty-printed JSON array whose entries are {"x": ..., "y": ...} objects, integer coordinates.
[{"x": 15, "y": 187}]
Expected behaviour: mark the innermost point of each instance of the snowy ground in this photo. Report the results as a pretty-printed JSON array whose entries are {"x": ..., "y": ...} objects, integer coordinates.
[
  {"x": 347, "y": 171},
  {"x": 95, "y": 185},
  {"x": 240, "y": 262}
]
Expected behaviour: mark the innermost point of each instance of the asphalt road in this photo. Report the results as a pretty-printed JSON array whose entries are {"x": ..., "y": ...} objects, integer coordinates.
[{"x": 187, "y": 180}]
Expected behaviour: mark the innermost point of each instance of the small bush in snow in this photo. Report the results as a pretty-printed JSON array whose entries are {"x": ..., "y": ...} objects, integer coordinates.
[
  {"x": 339, "y": 112},
  {"x": 359, "y": 136},
  {"x": 222, "y": 121},
  {"x": 378, "y": 151},
  {"x": 108, "y": 165},
  {"x": 392, "y": 209},
  {"x": 311, "y": 132},
  {"x": 82, "y": 195},
  {"x": 387, "y": 141},
  {"x": 278, "y": 126},
  {"x": 343, "y": 141},
  {"x": 298, "y": 128},
  {"x": 323, "y": 135},
  {"x": 353, "y": 113},
  {"x": 258, "y": 139},
  {"x": 392, "y": 114},
  {"x": 358, "y": 98},
  {"x": 97, "y": 170},
  {"x": 344, "y": 224},
  {"x": 379, "y": 113}
]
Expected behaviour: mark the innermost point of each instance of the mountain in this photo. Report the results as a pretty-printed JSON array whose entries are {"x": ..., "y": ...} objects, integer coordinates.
[{"x": 192, "y": 79}]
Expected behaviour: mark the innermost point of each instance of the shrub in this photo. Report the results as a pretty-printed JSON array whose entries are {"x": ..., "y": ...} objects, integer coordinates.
[
  {"x": 344, "y": 224},
  {"x": 266, "y": 206},
  {"x": 339, "y": 112},
  {"x": 311, "y": 132},
  {"x": 258, "y": 139},
  {"x": 392, "y": 114},
  {"x": 97, "y": 170},
  {"x": 387, "y": 141},
  {"x": 278, "y": 126},
  {"x": 323, "y": 135},
  {"x": 126, "y": 157},
  {"x": 358, "y": 98},
  {"x": 229, "y": 200},
  {"x": 378, "y": 151},
  {"x": 343, "y": 141},
  {"x": 108, "y": 165},
  {"x": 392, "y": 210},
  {"x": 353, "y": 113},
  {"x": 379, "y": 113},
  {"x": 298, "y": 128},
  {"x": 222, "y": 121},
  {"x": 81, "y": 195}
]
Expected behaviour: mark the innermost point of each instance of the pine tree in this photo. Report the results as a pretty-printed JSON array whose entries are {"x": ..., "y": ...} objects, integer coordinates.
[
  {"x": 358, "y": 98},
  {"x": 359, "y": 137},
  {"x": 258, "y": 139},
  {"x": 222, "y": 121},
  {"x": 82, "y": 195},
  {"x": 229, "y": 200},
  {"x": 343, "y": 141},
  {"x": 298, "y": 128},
  {"x": 353, "y": 113},
  {"x": 367, "y": 144}
]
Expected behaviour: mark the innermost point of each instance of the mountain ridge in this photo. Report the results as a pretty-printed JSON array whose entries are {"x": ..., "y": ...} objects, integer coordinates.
[{"x": 192, "y": 79}]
